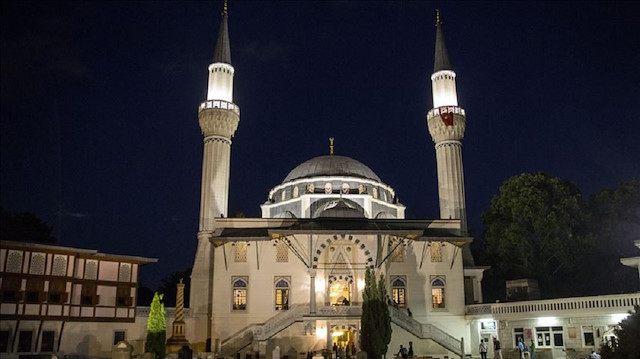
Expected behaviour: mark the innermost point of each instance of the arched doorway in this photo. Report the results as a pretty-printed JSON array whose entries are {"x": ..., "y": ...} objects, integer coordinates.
[{"x": 344, "y": 340}]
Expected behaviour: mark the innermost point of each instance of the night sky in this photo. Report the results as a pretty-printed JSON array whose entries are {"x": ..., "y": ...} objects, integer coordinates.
[{"x": 100, "y": 134}]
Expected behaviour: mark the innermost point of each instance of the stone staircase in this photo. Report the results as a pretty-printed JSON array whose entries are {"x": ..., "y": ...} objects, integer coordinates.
[
  {"x": 274, "y": 325},
  {"x": 427, "y": 331},
  {"x": 260, "y": 332}
]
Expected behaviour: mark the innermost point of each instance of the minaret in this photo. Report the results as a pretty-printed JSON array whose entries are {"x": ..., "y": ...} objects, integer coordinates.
[
  {"x": 446, "y": 123},
  {"x": 218, "y": 117}
]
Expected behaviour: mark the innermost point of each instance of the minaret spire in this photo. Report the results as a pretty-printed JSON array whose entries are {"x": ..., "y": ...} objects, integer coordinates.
[
  {"x": 442, "y": 57},
  {"x": 222, "y": 52}
]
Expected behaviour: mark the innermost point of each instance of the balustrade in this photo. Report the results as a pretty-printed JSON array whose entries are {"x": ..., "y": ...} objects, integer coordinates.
[{"x": 220, "y": 104}]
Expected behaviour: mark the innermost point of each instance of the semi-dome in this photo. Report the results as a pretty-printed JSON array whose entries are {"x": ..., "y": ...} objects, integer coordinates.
[
  {"x": 331, "y": 165},
  {"x": 340, "y": 208}
]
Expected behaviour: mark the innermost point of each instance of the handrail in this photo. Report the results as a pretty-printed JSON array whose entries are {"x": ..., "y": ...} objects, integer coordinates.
[
  {"x": 426, "y": 331},
  {"x": 296, "y": 313}
]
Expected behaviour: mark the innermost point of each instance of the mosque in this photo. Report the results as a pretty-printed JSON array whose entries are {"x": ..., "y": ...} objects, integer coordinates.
[{"x": 294, "y": 278}]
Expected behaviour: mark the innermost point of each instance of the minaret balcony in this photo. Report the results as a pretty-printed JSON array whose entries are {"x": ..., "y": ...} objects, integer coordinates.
[
  {"x": 220, "y": 104},
  {"x": 445, "y": 109}
]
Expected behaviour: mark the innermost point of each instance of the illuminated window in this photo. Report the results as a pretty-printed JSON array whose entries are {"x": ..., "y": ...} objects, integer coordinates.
[
  {"x": 282, "y": 293},
  {"x": 399, "y": 291},
  {"x": 239, "y": 294},
  {"x": 282, "y": 252},
  {"x": 436, "y": 252},
  {"x": 240, "y": 252},
  {"x": 550, "y": 336},
  {"x": 437, "y": 292}
]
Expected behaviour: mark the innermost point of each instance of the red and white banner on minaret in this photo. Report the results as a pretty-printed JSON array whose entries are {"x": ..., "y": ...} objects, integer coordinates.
[{"x": 446, "y": 113}]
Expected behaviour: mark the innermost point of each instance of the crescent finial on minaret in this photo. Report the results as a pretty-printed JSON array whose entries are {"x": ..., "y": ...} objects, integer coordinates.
[
  {"x": 438, "y": 23},
  {"x": 331, "y": 139},
  {"x": 224, "y": 8}
]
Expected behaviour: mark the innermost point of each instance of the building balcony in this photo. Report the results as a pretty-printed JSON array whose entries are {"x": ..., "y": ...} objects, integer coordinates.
[
  {"x": 445, "y": 109},
  {"x": 220, "y": 104}
]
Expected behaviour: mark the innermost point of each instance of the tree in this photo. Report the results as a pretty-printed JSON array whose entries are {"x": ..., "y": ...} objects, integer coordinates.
[
  {"x": 24, "y": 227},
  {"x": 627, "y": 345},
  {"x": 375, "y": 333},
  {"x": 156, "y": 328},
  {"x": 536, "y": 228},
  {"x": 170, "y": 287},
  {"x": 615, "y": 218},
  {"x": 614, "y": 223}
]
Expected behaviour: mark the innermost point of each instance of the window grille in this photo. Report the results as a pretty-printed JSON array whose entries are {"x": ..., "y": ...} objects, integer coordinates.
[
  {"x": 14, "y": 262},
  {"x": 59, "y": 265},
  {"x": 282, "y": 252},
  {"x": 91, "y": 269},
  {"x": 125, "y": 272},
  {"x": 436, "y": 251},
  {"x": 37, "y": 263},
  {"x": 240, "y": 252}
]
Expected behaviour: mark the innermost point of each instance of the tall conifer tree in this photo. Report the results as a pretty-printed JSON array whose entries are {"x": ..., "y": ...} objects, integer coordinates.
[
  {"x": 375, "y": 333},
  {"x": 156, "y": 328}
]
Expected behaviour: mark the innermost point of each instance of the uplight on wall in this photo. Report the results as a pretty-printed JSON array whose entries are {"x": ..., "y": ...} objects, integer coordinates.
[
  {"x": 320, "y": 285},
  {"x": 618, "y": 317},
  {"x": 547, "y": 321},
  {"x": 321, "y": 329}
]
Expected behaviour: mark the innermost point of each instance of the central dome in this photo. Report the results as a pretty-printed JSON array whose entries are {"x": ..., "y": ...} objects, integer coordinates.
[{"x": 331, "y": 166}]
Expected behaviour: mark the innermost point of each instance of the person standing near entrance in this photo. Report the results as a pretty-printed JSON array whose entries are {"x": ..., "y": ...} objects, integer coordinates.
[
  {"x": 521, "y": 348},
  {"x": 497, "y": 349},
  {"x": 483, "y": 349},
  {"x": 403, "y": 352}
]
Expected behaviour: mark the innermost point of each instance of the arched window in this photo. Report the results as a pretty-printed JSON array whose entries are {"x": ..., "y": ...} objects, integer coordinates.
[
  {"x": 399, "y": 291},
  {"x": 437, "y": 292},
  {"x": 239, "y": 294},
  {"x": 282, "y": 293}
]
